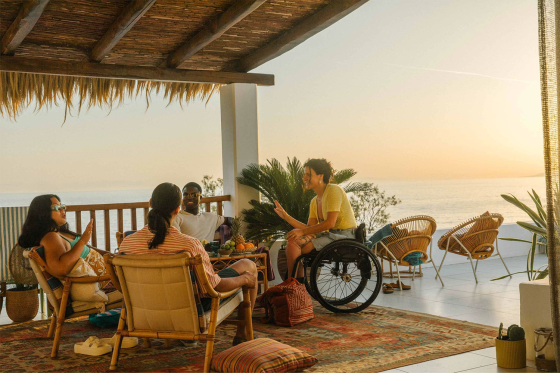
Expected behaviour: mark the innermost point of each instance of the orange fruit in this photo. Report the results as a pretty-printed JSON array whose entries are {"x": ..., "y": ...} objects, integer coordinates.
[
  {"x": 240, "y": 247},
  {"x": 250, "y": 245}
]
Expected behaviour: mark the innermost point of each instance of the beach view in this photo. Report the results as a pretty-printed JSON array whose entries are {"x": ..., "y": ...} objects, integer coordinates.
[{"x": 392, "y": 165}]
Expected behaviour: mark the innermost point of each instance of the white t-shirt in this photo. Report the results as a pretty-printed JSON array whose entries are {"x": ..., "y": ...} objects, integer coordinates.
[{"x": 201, "y": 226}]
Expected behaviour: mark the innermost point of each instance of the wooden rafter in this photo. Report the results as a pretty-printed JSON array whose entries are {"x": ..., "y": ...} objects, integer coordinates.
[
  {"x": 310, "y": 26},
  {"x": 213, "y": 30},
  {"x": 28, "y": 15},
  {"x": 124, "y": 22},
  {"x": 97, "y": 70}
]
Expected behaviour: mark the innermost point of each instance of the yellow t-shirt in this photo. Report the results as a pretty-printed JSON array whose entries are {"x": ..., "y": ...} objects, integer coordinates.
[{"x": 335, "y": 199}]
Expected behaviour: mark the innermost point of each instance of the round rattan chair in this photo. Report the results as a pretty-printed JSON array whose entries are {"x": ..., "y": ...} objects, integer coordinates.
[
  {"x": 410, "y": 235},
  {"x": 474, "y": 239}
]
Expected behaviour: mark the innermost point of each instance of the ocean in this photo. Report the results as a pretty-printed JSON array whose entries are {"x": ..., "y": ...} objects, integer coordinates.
[{"x": 449, "y": 202}]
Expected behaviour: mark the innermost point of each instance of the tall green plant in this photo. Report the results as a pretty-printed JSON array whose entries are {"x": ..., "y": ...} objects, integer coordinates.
[
  {"x": 285, "y": 185},
  {"x": 538, "y": 229}
]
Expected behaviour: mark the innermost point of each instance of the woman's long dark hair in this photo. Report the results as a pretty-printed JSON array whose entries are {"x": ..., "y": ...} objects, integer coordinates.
[
  {"x": 39, "y": 222},
  {"x": 165, "y": 199}
]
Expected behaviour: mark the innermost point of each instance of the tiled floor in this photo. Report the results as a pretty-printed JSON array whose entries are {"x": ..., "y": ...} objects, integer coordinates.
[{"x": 488, "y": 302}]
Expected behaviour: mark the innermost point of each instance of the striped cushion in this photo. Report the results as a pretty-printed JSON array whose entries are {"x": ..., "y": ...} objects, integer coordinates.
[{"x": 262, "y": 355}]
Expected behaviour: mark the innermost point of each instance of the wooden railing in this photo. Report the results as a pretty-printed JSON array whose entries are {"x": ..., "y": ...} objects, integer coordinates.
[{"x": 120, "y": 208}]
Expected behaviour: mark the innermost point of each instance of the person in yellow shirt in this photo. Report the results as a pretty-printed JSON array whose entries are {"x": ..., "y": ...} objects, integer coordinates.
[{"x": 331, "y": 216}]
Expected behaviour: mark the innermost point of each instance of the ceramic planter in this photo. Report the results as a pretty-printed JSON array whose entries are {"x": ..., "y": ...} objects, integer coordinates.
[{"x": 510, "y": 354}]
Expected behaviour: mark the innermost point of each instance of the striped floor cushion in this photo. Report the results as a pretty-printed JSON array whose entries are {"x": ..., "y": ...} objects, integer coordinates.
[{"x": 262, "y": 355}]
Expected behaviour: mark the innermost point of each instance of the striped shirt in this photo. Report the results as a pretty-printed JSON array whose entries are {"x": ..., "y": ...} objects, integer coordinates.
[{"x": 175, "y": 242}]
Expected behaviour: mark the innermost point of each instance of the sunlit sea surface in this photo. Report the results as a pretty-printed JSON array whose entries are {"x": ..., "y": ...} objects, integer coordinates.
[{"x": 448, "y": 201}]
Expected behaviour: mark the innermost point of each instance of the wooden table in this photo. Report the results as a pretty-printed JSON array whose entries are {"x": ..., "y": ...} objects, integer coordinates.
[{"x": 220, "y": 263}]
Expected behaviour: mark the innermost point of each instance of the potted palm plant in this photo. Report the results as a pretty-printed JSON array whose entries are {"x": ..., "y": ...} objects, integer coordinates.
[{"x": 510, "y": 348}]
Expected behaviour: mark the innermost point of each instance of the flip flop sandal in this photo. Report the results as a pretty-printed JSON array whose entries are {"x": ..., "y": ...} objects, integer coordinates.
[
  {"x": 127, "y": 342},
  {"x": 93, "y": 347},
  {"x": 404, "y": 287},
  {"x": 387, "y": 289}
]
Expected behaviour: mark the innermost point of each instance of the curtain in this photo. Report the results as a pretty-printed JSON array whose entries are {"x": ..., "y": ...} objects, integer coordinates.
[{"x": 549, "y": 57}]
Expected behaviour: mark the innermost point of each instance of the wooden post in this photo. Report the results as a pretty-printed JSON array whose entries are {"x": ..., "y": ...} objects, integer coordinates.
[
  {"x": 133, "y": 224},
  {"x": 107, "y": 222},
  {"x": 79, "y": 221},
  {"x": 94, "y": 230}
]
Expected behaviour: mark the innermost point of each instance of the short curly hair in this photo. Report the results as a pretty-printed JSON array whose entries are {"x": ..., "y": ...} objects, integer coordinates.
[{"x": 321, "y": 167}]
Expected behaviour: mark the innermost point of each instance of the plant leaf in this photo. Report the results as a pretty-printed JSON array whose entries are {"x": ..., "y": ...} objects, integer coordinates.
[
  {"x": 532, "y": 228},
  {"x": 532, "y": 214},
  {"x": 515, "y": 239}
]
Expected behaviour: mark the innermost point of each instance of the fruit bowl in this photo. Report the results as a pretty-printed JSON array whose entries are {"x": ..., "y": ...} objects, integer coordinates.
[
  {"x": 224, "y": 252},
  {"x": 244, "y": 248}
]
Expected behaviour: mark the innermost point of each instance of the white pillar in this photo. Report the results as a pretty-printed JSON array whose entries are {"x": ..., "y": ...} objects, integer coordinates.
[{"x": 240, "y": 142}]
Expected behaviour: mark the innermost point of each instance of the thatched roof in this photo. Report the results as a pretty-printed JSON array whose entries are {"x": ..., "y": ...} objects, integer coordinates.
[{"x": 206, "y": 42}]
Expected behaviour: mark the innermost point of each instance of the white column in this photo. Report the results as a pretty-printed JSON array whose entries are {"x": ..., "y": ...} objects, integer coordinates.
[{"x": 240, "y": 142}]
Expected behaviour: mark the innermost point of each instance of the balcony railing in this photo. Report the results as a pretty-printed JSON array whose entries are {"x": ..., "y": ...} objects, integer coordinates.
[{"x": 121, "y": 213}]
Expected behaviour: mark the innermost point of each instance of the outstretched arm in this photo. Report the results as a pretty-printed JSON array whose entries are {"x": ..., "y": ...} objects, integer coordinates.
[{"x": 284, "y": 215}]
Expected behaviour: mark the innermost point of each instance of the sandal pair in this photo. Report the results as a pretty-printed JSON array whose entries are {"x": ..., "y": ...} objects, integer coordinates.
[
  {"x": 390, "y": 288},
  {"x": 403, "y": 286},
  {"x": 387, "y": 288},
  {"x": 94, "y": 346}
]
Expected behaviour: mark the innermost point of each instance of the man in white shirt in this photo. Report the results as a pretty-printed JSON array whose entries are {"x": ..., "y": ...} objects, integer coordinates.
[{"x": 194, "y": 222}]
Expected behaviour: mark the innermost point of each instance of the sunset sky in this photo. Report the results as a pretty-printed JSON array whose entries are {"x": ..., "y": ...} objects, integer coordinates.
[{"x": 399, "y": 89}]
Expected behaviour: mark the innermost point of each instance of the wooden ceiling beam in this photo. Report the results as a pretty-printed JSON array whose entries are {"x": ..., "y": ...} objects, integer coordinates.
[
  {"x": 98, "y": 70},
  {"x": 122, "y": 25},
  {"x": 310, "y": 26},
  {"x": 213, "y": 30},
  {"x": 28, "y": 15}
]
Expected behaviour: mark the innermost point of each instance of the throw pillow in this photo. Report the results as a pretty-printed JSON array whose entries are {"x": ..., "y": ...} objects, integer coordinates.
[
  {"x": 262, "y": 355},
  {"x": 89, "y": 292}
]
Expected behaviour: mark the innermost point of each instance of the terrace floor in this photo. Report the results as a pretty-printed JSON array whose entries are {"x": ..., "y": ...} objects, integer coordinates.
[{"x": 488, "y": 302}]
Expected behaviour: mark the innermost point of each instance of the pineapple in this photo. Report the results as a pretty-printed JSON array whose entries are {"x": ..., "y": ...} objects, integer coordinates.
[{"x": 236, "y": 232}]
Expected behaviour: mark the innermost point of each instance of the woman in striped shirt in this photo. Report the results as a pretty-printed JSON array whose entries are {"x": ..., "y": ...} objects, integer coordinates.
[{"x": 160, "y": 237}]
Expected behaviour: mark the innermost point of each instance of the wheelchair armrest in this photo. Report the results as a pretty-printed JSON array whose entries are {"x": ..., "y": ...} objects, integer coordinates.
[{"x": 360, "y": 233}]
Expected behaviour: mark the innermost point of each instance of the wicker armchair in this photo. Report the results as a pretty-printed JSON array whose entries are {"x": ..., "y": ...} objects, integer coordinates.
[
  {"x": 410, "y": 235},
  {"x": 58, "y": 295},
  {"x": 161, "y": 300},
  {"x": 474, "y": 239}
]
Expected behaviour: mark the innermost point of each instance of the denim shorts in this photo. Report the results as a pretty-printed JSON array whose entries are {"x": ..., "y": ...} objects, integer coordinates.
[{"x": 324, "y": 238}]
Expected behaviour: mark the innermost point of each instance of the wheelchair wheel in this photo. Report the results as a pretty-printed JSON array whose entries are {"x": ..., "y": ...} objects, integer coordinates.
[{"x": 345, "y": 277}]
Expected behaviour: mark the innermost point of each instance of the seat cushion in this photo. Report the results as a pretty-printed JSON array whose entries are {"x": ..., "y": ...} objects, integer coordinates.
[
  {"x": 114, "y": 297},
  {"x": 227, "y": 306},
  {"x": 262, "y": 355}
]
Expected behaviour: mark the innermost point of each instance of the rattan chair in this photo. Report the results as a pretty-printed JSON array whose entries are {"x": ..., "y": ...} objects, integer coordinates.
[
  {"x": 58, "y": 295},
  {"x": 410, "y": 235},
  {"x": 160, "y": 299},
  {"x": 474, "y": 239}
]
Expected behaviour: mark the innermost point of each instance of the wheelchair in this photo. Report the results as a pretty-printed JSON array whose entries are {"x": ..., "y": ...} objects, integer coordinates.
[{"x": 344, "y": 277}]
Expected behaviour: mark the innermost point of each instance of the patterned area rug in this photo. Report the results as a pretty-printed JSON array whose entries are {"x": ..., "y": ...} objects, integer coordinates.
[{"x": 374, "y": 340}]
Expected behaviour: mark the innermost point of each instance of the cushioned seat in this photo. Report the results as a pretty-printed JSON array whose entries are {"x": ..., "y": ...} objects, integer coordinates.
[
  {"x": 58, "y": 295},
  {"x": 161, "y": 296},
  {"x": 227, "y": 306},
  {"x": 476, "y": 238}
]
